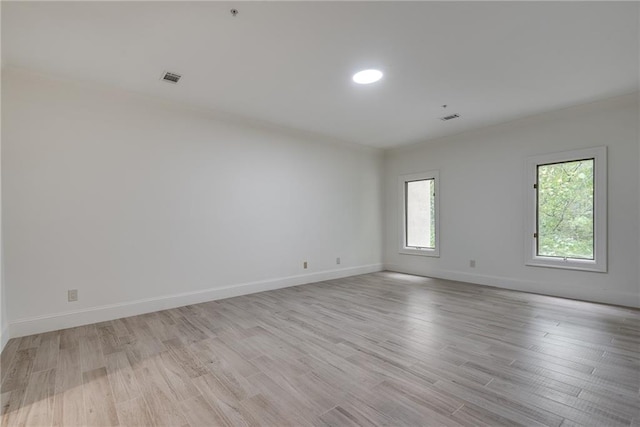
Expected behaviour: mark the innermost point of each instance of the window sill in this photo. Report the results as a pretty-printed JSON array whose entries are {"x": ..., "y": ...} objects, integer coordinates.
[
  {"x": 420, "y": 252},
  {"x": 569, "y": 264}
]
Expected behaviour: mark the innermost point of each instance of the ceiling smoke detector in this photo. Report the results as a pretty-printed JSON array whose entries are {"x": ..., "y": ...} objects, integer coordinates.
[
  {"x": 170, "y": 77},
  {"x": 449, "y": 117}
]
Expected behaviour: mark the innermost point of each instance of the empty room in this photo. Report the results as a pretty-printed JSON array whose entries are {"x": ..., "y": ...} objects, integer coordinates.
[{"x": 320, "y": 213}]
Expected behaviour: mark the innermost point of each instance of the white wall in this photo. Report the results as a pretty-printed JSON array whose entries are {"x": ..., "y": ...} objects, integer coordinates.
[
  {"x": 4, "y": 332},
  {"x": 482, "y": 203},
  {"x": 131, "y": 200},
  {"x": 638, "y": 135}
]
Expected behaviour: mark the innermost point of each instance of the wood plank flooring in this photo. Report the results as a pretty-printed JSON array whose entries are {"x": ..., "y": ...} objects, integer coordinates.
[{"x": 378, "y": 349}]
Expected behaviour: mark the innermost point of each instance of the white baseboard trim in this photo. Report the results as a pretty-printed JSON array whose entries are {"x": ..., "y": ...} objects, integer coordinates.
[
  {"x": 4, "y": 337},
  {"x": 69, "y": 319},
  {"x": 606, "y": 296}
]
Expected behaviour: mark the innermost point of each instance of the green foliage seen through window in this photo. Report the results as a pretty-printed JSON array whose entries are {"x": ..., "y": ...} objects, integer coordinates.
[{"x": 565, "y": 209}]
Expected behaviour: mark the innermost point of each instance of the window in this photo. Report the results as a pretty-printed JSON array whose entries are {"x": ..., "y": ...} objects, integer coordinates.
[
  {"x": 419, "y": 228},
  {"x": 567, "y": 208}
]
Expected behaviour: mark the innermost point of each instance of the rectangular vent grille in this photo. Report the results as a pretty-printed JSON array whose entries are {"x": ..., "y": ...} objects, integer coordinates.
[
  {"x": 450, "y": 117},
  {"x": 171, "y": 77}
]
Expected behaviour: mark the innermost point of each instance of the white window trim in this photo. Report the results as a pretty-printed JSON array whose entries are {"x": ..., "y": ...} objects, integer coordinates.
[
  {"x": 404, "y": 249},
  {"x": 599, "y": 263}
]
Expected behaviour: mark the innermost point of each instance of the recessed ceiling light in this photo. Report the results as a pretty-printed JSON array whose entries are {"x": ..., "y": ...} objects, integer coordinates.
[{"x": 366, "y": 77}]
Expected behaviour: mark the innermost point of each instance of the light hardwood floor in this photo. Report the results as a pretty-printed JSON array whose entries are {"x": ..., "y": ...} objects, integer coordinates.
[{"x": 376, "y": 349}]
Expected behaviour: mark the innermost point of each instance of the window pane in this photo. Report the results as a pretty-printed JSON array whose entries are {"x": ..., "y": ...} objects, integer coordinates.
[
  {"x": 565, "y": 209},
  {"x": 420, "y": 219}
]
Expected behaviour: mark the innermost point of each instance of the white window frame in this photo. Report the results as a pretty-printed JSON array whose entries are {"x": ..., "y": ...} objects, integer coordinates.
[
  {"x": 599, "y": 263},
  {"x": 407, "y": 250}
]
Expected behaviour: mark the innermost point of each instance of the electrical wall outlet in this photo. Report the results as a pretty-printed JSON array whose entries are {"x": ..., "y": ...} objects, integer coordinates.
[
  {"x": 72, "y": 295},
  {"x": 472, "y": 263},
  {"x": 304, "y": 264},
  {"x": 338, "y": 260}
]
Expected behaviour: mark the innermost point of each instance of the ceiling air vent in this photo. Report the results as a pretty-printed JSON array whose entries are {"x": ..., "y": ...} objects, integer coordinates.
[
  {"x": 171, "y": 77},
  {"x": 449, "y": 117}
]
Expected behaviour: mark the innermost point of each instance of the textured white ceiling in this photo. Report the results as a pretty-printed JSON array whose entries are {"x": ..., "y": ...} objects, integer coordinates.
[{"x": 290, "y": 63}]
